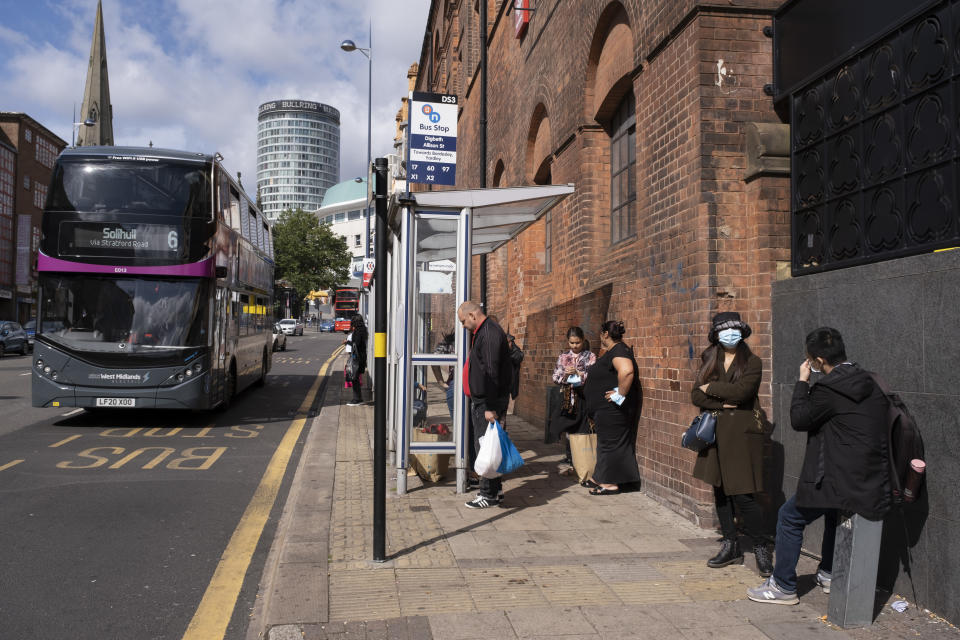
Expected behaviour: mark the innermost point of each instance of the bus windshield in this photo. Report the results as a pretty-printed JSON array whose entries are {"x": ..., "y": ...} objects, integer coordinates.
[
  {"x": 135, "y": 186},
  {"x": 120, "y": 315}
]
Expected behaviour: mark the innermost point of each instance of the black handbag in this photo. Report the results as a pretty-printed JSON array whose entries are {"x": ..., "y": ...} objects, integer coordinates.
[{"x": 701, "y": 433}]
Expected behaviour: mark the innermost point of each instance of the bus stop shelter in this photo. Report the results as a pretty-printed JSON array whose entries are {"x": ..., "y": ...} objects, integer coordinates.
[{"x": 434, "y": 235}]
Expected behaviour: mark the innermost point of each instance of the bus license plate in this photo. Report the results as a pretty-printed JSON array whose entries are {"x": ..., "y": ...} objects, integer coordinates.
[{"x": 116, "y": 402}]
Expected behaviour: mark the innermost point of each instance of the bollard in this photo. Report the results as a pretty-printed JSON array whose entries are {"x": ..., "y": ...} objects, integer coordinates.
[{"x": 855, "y": 559}]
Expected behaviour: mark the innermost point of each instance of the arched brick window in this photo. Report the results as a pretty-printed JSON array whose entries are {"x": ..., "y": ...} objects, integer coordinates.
[{"x": 623, "y": 171}]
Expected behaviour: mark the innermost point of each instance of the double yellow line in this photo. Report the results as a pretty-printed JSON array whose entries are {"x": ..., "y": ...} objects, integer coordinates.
[{"x": 212, "y": 617}]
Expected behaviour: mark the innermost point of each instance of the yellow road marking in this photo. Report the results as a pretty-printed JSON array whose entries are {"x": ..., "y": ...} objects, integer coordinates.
[
  {"x": 219, "y": 600},
  {"x": 64, "y": 441},
  {"x": 10, "y": 464}
]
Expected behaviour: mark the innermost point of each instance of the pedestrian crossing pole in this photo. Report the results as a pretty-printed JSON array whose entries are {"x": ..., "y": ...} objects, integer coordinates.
[{"x": 380, "y": 367}]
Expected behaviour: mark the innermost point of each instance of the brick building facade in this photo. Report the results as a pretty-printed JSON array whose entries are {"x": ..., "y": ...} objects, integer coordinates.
[
  {"x": 27, "y": 154},
  {"x": 646, "y": 107}
]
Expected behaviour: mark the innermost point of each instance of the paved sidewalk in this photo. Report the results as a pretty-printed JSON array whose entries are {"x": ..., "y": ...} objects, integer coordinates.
[{"x": 553, "y": 562}]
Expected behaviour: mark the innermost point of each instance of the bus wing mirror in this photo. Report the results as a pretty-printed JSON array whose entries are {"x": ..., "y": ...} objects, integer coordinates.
[{"x": 221, "y": 271}]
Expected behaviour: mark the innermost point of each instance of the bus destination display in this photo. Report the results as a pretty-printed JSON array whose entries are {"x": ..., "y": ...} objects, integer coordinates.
[{"x": 119, "y": 239}]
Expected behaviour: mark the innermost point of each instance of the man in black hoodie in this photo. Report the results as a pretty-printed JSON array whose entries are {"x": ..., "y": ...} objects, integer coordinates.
[
  {"x": 845, "y": 465},
  {"x": 486, "y": 380}
]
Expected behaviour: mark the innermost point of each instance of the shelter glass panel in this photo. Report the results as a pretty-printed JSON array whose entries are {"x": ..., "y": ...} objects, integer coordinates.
[{"x": 435, "y": 285}]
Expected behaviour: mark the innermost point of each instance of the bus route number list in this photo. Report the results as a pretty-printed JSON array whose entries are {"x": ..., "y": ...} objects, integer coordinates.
[{"x": 433, "y": 139}]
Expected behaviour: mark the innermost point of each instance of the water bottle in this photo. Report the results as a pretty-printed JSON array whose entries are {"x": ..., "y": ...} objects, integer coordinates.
[{"x": 911, "y": 486}]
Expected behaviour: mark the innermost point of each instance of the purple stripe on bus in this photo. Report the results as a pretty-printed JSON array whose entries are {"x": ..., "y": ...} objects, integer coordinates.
[{"x": 202, "y": 268}]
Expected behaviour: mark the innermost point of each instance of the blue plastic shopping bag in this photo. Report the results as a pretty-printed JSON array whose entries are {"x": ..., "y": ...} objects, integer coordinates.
[{"x": 510, "y": 459}]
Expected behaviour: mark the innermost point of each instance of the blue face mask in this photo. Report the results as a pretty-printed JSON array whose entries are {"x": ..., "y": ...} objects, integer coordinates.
[{"x": 729, "y": 337}]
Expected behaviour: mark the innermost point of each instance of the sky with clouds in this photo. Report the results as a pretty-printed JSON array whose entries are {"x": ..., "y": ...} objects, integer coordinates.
[{"x": 189, "y": 74}]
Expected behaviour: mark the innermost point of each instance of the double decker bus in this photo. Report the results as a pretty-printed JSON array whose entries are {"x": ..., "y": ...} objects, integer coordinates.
[
  {"x": 346, "y": 304},
  {"x": 155, "y": 283}
]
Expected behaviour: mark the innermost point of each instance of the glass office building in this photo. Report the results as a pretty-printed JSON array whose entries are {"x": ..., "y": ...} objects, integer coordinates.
[{"x": 298, "y": 154}]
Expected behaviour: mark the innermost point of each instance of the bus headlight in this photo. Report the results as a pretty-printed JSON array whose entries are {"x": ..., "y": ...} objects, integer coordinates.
[
  {"x": 179, "y": 377},
  {"x": 53, "y": 376},
  {"x": 40, "y": 364},
  {"x": 197, "y": 367},
  {"x": 189, "y": 372},
  {"x": 46, "y": 369}
]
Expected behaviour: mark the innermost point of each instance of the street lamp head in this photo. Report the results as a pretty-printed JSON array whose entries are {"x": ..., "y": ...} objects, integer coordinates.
[{"x": 348, "y": 45}]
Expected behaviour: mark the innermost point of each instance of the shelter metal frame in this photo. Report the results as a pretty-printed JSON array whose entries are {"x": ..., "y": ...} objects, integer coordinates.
[{"x": 485, "y": 219}]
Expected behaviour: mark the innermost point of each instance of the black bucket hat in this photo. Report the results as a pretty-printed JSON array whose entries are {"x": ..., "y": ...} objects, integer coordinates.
[{"x": 728, "y": 320}]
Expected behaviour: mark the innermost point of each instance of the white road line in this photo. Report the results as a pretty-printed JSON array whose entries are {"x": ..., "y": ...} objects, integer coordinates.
[{"x": 26, "y": 374}]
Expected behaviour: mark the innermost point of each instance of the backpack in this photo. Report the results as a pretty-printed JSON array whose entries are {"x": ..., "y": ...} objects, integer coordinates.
[{"x": 904, "y": 443}]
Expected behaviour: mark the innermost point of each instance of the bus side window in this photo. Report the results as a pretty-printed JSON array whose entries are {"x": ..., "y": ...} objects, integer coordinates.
[
  {"x": 235, "y": 314},
  {"x": 244, "y": 314},
  {"x": 235, "y": 220},
  {"x": 245, "y": 220}
]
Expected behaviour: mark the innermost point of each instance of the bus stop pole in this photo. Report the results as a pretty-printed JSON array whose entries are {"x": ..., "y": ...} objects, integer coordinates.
[{"x": 380, "y": 368}]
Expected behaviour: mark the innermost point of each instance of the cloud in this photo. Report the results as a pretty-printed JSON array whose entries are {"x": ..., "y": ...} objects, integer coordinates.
[{"x": 187, "y": 74}]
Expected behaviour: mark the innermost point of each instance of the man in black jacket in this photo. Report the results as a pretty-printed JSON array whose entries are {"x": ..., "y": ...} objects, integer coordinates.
[
  {"x": 845, "y": 465},
  {"x": 486, "y": 380}
]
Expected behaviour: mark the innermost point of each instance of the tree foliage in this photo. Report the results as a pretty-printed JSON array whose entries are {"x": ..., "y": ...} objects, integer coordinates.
[{"x": 308, "y": 254}]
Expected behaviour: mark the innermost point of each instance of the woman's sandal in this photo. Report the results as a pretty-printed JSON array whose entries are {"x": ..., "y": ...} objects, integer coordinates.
[
  {"x": 603, "y": 491},
  {"x": 589, "y": 484}
]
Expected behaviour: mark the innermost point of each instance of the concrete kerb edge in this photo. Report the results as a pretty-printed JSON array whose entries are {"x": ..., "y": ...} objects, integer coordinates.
[{"x": 259, "y": 626}]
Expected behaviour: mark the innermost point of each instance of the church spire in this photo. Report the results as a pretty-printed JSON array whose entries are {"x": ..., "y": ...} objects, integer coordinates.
[{"x": 96, "y": 106}]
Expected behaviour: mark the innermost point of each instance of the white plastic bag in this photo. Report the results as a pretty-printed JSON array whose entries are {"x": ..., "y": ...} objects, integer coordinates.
[{"x": 489, "y": 456}]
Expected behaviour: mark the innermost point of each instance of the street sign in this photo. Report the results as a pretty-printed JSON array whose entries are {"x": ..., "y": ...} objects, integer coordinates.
[
  {"x": 368, "y": 267},
  {"x": 432, "y": 140}
]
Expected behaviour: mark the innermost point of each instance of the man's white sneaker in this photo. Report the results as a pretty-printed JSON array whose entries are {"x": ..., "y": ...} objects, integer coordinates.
[
  {"x": 824, "y": 579},
  {"x": 770, "y": 593},
  {"x": 481, "y": 502}
]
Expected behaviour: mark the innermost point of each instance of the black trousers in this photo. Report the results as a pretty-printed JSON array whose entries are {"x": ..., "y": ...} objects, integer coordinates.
[
  {"x": 489, "y": 487},
  {"x": 751, "y": 514}
]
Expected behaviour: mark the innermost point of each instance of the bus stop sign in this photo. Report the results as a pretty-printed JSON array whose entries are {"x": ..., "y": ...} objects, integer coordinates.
[
  {"x": 433, "y": 138},
  {"x": 368, "y": 267}
]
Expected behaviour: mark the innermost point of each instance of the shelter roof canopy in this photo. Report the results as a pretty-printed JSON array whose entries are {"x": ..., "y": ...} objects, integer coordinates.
[{"x": 498, "y": 215}]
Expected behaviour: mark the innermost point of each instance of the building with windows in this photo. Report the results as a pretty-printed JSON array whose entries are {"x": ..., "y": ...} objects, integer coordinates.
[
  {"x": 27, "y": 154},
  {"x": 343, "y": 208},
  {"x": 298, "y": 154},
  {"x": 647, "y": 108}
]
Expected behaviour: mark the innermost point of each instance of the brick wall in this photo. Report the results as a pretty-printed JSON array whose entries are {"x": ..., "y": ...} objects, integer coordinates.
[{"x": 707, "y": 238}]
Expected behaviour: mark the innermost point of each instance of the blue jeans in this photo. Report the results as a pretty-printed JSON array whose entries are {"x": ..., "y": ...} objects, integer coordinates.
[
  {"x": 450, "y": 399},
  {"x": 791, "y": 521}
]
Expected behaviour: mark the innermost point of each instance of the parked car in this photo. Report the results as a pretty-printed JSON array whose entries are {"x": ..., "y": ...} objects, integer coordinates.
[
  {"x": 279, "y": 338},
  {"x": 31, "y": 329},
  {"x": 291, "y": 327},
  {"x": 327, "y": 325},
  {"x": 13, "y": 339}
]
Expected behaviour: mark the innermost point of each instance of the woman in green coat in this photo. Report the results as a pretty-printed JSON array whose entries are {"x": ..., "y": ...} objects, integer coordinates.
[{"x": 728, "y": 382}]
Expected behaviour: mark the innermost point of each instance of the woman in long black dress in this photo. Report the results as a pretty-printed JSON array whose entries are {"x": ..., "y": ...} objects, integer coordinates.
[
  {"x": 357, "y": 340},
  {"x": 613, "y": 399}
]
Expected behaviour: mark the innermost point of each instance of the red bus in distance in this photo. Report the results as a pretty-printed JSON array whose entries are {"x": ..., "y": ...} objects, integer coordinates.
[{"x": 346, "y": 304}]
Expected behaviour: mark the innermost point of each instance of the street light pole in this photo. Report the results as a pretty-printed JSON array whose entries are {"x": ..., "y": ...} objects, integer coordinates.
[
  {"x": 350, "y": 45},
  {"x": 366, "y": 244}
]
